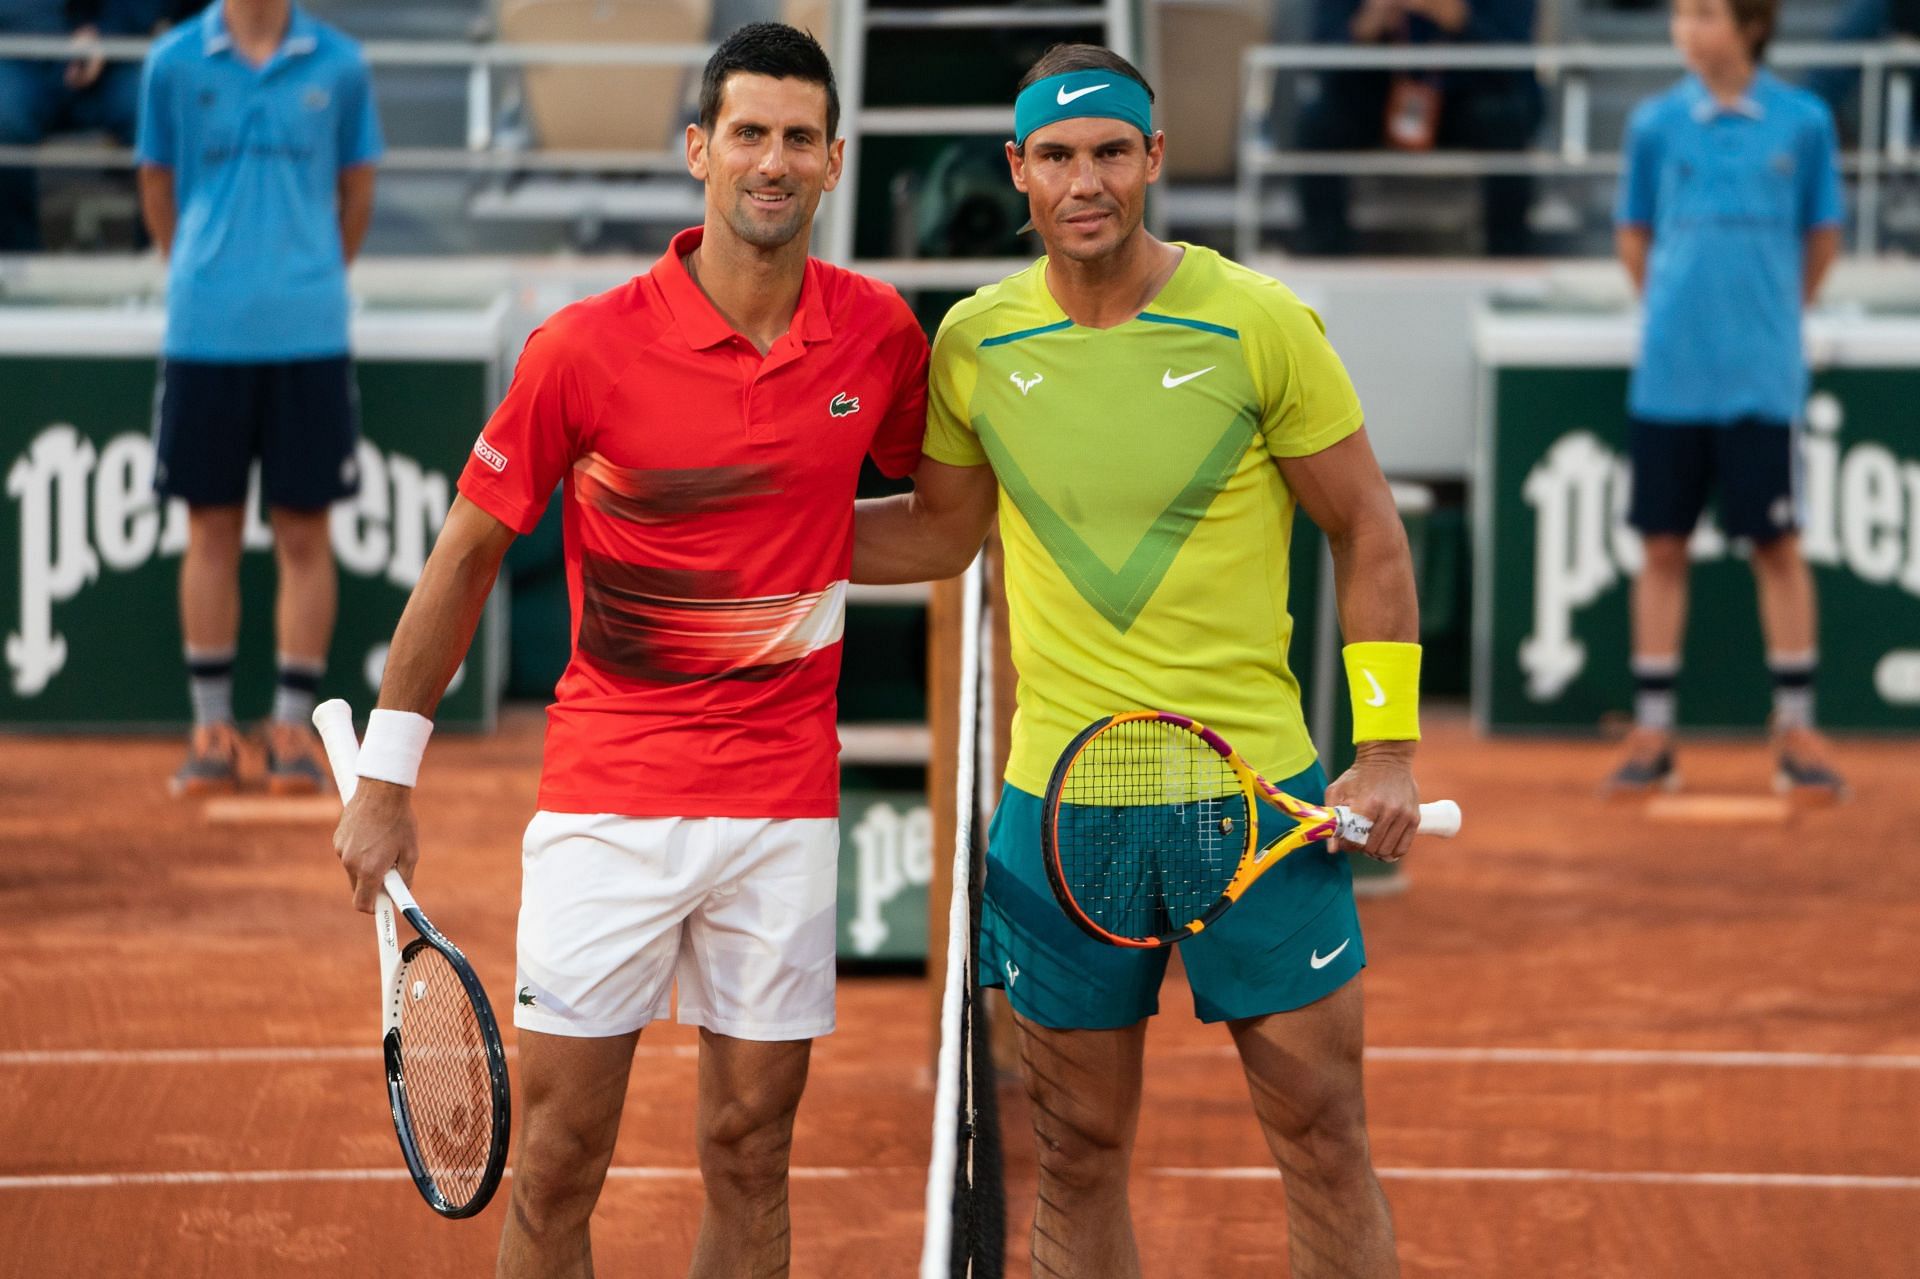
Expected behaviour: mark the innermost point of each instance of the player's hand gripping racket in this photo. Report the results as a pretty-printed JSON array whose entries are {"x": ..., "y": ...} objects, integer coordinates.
[
  {"x": 446, "y": 1066},
  {"x": 1151, "y": 829}
]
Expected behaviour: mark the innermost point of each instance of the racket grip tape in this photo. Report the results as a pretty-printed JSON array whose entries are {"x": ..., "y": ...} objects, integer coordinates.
[
  {"x": 333, "y": 720},
  {"x": 1442, "y": 818}
]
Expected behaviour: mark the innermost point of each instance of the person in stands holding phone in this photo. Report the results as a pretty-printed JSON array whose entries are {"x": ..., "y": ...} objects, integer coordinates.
[
  {"x": 708, "y": 420},
  {"x": 1490, "y": 110},
  {"x": 1143, "y": 417}
]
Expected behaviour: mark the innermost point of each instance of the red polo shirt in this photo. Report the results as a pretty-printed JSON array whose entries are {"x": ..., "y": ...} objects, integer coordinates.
[{"x": 708, "y": 514}]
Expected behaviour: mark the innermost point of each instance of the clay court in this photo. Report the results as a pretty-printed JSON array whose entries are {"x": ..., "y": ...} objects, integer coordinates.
[{"x": 1606, "y": 1041}]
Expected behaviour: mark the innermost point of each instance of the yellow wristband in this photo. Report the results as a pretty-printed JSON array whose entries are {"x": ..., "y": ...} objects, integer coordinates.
[{"x": 1383, "y": 679}]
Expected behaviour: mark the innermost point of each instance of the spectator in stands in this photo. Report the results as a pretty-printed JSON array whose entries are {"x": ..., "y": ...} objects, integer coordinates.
[
  {"x": 39, "y": 98},
  {"x": 1473, "y": 110},
  {"x": 1728, "y": 218},
  {"x": 1862, "y": 20},
  {"x": 257, "y": 144}
]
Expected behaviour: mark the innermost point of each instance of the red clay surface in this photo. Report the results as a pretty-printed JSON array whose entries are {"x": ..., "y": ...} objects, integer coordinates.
[{"x": 1625, "y": 959}]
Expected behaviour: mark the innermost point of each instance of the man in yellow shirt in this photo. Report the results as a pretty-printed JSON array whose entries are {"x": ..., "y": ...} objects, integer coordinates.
[{"x": 1144, "y": 417}]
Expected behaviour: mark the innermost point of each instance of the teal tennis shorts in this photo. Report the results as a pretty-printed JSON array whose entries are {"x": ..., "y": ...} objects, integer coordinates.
[{"x": 1294, "y": 938}]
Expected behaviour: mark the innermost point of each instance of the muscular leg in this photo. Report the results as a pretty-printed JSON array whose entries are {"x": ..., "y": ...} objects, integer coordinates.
[
  {"x": 749, "y": 1092},
  {"x": 1785, "y": 585},
  {"x": 572, "y": 1091},
  {"x": 305, "y": 598},
  {"x": 1085, "y": 1090},
  {"x": 210, "y": 579},
  {"x": 1303, "y": 1069}
]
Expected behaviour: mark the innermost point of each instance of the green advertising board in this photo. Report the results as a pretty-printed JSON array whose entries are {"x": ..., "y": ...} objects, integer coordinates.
[
  {"x": 886, "y": 863},
  {"x": 89, "y": 559},
  {"x": 1555, "y": 558}
]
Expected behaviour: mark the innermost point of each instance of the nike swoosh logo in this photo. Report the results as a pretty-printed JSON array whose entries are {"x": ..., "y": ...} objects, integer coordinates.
[
  {"x": 1321, "y": 961},
  {"x": 1379, "y": 697},
  {"x": 1169, "y": 381},
  {"x": 1063, "y": 97}
]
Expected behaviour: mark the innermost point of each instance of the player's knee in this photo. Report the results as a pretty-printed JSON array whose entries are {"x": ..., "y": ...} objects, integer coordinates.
[
  {"x": 1328, "y": 1135},
  {"x": 1083, "y": 1154},
  {"x": 746, "y": 1145},
  {"x": 558, "y": 1174}
]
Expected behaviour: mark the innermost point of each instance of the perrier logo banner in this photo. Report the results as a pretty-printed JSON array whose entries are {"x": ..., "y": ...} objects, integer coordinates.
[
  {"x": 1552, "y": 633},
  {"x": 89, "y": 558}
]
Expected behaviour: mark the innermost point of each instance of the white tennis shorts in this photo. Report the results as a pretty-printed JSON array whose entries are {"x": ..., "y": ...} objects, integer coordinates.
[{"x": 739, "y": 911}]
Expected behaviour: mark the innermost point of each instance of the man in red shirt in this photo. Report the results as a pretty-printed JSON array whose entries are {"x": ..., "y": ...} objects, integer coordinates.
[{"x": 707, "y": 421}]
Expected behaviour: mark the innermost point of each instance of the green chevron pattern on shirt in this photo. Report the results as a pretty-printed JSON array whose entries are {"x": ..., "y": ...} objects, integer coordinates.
[{"x": 1146, "y": 525}]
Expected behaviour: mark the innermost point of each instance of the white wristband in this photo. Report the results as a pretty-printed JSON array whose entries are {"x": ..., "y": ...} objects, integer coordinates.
[{"x": 394, "y": 744}]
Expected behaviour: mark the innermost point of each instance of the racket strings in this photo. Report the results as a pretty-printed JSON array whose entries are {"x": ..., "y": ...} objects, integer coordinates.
[
  {"x": 1152, "y": 824},
  {"x": 443, "y": 1060}
]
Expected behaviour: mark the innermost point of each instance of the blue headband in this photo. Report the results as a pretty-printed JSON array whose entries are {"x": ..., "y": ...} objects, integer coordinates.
[{"x": 1078, "y": 95}]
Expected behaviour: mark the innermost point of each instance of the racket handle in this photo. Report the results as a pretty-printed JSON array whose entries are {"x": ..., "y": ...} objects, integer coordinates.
[
  {"x": 396, "y": 888},
  {"x": 333, "y": 720},
  {"x": 1442, "y": 818}
]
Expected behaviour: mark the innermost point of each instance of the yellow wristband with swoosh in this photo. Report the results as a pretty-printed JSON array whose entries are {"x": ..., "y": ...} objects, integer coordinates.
[{"x": 1383, "y": 678}]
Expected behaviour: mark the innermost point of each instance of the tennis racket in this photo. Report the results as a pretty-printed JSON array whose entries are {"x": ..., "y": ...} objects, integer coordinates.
[
  {"x": 1151, "y": 829},
  {"x": 446, "y": 1066}
]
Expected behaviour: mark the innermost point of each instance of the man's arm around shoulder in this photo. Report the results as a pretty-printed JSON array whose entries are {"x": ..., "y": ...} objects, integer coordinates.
[{"x": 930, "y": 533}]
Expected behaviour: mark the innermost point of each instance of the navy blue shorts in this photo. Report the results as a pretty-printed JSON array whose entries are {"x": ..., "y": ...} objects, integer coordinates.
[
  {"x": 1748, "y": 467},
  {"x": 301, "y": 418},
  {"x": 1293, "y": 939}
]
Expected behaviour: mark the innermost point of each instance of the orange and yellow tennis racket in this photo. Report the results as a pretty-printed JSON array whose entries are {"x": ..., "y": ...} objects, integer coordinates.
[{"x": 1152, "y": 828}]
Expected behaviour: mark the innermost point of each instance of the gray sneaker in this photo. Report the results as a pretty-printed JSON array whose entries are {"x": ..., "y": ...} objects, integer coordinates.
[
  {"x": 1803, "y": 768},
  {"x": 213, "y": 762},
  {"x": 1647, "y": 764},
  {"x": 293, "y": 760}
]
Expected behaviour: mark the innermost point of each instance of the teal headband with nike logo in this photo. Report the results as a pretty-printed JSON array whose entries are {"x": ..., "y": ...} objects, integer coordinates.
[{"x": 1077, "y": 95}]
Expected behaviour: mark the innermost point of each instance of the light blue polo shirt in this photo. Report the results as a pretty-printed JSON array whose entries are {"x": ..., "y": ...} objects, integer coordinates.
[
  {"x": 257, "y": 268},
  {"x": 1730, "y": 193}
]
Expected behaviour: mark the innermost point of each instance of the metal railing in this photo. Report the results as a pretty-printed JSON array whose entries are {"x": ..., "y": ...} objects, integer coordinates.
[
  {"x": 1885, "y": 146},
  {"x": 482, "y": 61}
]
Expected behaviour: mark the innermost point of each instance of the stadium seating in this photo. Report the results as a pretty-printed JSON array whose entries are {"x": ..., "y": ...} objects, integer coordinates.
[{"x": 610, "y": 108}]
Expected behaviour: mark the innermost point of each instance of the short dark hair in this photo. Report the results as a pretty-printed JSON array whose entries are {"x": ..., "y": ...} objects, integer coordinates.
[
  {"x": 1062, "y": 58},
  {"x": 770, "y": 49},
  {"x": 1761, "y": 14}
]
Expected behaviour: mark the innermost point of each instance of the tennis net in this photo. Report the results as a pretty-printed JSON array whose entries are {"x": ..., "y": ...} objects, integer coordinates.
[{"x": 966, "y": 1193}]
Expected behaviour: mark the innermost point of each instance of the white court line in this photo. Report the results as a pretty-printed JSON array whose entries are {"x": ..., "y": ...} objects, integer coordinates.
[
  {"x": 1762, "y": 1180},
  {"x": 1777, "y": 1180},
  {"x": 117, "y": 1180},
  {"x": 1647, "y": 1057},
  {"x": 218, "y": 1056},
  {"x": 1639, "y": 1057},
  {"x": 1489, "y": 1056}
]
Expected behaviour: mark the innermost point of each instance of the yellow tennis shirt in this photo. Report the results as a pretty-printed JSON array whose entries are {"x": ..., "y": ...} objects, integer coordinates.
[{"x": 1145, "y": 523}]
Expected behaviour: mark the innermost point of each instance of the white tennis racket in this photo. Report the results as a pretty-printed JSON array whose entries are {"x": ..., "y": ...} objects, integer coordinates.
[{"x": 446, "y": 1066}]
